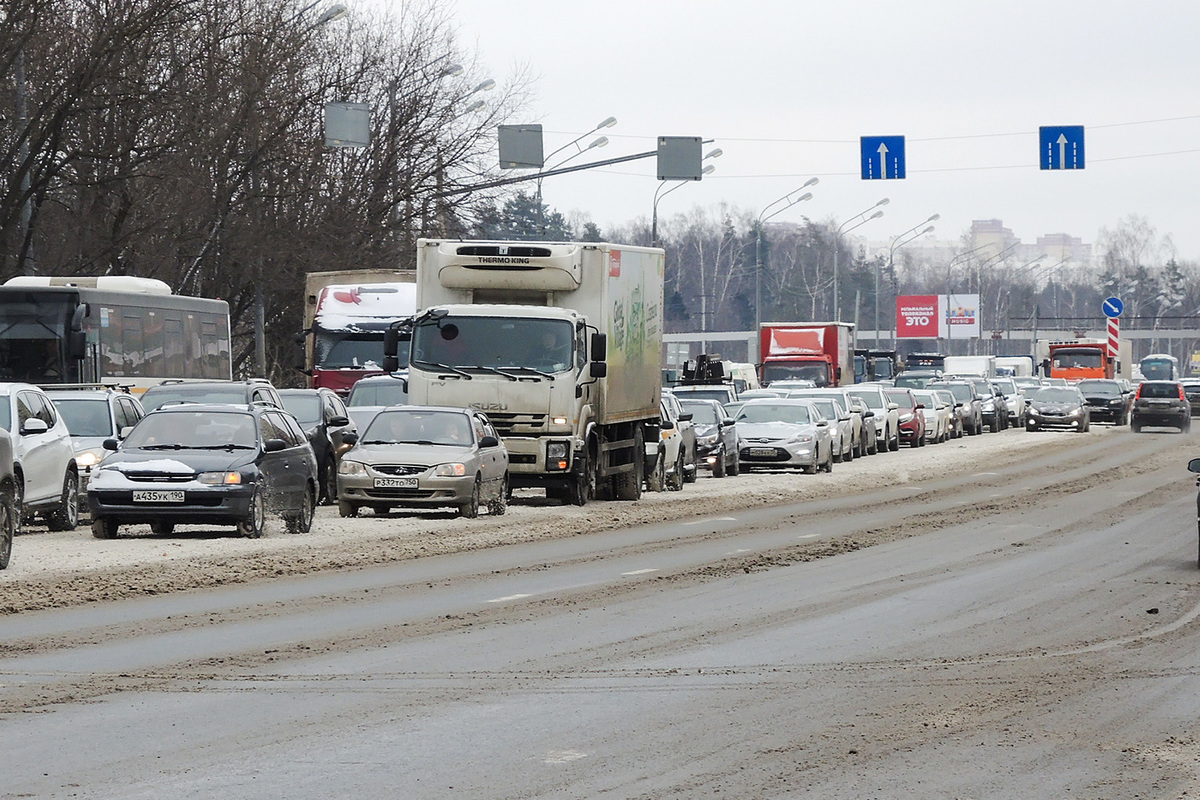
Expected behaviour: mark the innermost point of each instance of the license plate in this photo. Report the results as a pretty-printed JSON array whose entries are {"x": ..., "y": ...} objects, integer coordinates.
[
  {"x": 395, "y": 483},
  {"x": 158, "y": 497},
  {"x": 762, "y": 451}
]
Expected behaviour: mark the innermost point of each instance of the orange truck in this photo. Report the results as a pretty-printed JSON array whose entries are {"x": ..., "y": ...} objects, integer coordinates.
[
  {"x": 1077, "y": 359},
  {"x": 822, "y": 352}
]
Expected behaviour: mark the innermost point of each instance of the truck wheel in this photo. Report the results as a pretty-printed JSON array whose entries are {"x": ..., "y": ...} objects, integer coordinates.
[
  {"x": 583, "y": 487},
  {"x": 628, "y": 485}
]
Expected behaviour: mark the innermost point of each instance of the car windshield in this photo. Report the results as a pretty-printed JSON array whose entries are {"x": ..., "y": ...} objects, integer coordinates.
[
  {"x": 1100, "y": 388},
  {"x": 961, "y": 392},
  {"x": 1006, "y": 386},
  {"x": 902, "y": 399},
  {"x": 194, "y": 430},
  {"x": 926, "y": 398},
  {"x": 829, "y": 408},
  {"x": 306, "y": 408},
  {"x": 448, "y": 428},
  {"x": 158, "y": 396},
  {"x": 770, "y": 412},
  {"x": 85, "y": 417},
  {"x": 872, "y": 399},
  {"x": 702, "y": 413},
  {"x": 1056, "y": 394},
  {"x": 378, "y": 393},
  {"x": 720, "y": 395}
]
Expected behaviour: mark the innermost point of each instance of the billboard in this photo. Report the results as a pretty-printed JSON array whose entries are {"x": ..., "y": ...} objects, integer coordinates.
[{"x": 937, "y": 316}]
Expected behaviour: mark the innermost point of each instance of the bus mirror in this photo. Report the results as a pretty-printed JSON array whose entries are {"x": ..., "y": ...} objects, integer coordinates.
[
  {"x": 81, "y": 312},
  {"x": 76, "y": 345}
]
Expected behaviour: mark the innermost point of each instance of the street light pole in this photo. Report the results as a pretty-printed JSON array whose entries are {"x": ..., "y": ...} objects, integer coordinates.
[
  {"x": 837, "y": 309},
  {"x": 659, "y": 194},
  {"x": 599, "y": 141},
  {"x": 896, "y": 243},
  {"x": 762, "y": 218}
]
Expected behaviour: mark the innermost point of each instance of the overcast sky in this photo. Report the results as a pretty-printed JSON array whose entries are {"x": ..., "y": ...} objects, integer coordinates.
[{"x": 787, "y": 88}]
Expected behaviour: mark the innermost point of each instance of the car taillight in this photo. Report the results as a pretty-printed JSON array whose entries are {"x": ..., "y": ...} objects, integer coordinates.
[{"x": 1181, "y": 395}]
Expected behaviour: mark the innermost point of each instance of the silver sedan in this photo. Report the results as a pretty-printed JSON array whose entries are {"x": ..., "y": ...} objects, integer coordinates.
[
  {"x": 784, "y": 434},
  {"x": 425, "y": 456}
]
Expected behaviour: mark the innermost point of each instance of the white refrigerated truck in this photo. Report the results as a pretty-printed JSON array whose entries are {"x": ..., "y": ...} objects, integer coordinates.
[{"x": 558, "y": 343}]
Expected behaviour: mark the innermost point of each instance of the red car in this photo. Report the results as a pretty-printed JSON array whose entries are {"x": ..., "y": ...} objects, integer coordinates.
[{"x": 912, "y": 421}]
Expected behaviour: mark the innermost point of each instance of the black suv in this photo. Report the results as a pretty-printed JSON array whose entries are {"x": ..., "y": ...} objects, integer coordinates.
[
  {"x": 1162, "y": 404},
  {"x": 238, "y": 393},
  {"x": 201, "y": 464},
  {"x": 323, "y": 416},
  {"x": 1105, "y": 400}
]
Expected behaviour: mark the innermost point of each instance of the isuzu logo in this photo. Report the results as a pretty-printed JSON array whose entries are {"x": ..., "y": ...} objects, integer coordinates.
[{"x": 490, "y": 406}]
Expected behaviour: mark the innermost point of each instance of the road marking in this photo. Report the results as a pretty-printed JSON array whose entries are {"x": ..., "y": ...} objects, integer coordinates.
[
  {"x": 738, "y": 551},
  {"x": 711, "y": 519},
  {"x": 639, "y": 572},
  {"x": 509, "y": 597},
  {"x": 809, "y": 536},
  {"x": 563, "y": 756}
]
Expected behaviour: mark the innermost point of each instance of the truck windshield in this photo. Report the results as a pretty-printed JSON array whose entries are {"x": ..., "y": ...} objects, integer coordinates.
[
  {"x": 494, "y": 343},
  {"x": 1078, "y": 359},
  {"x": 32, "y": 333},
  {"x": 341, "y": 350},
  {"x": 817, "y": 372}
]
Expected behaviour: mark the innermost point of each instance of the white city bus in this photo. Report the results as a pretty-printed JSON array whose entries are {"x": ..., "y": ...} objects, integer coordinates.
[{"x": 112, "y": 329}]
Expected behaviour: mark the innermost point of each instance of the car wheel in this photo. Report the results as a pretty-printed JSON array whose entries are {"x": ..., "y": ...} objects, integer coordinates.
[
  {"x": 256, "y": 520},
  {"x": 162, "y": 527},
  {"x": 829, "y": 461},
  {"x": 656, "y": 481},
  {"x": 734, "y": 467},
  {"x": 104, "y": 527},
  {"x": 302, "y": 520},
  {"x": 18, "y": 499},
  {"x": 719, "y": 466},
  {"x": 65, "y": 516},
  {"x": 1135, "y": 427},
  {"x": 691, "y": 471},
  {"x": 675, "y": 481},
  {"x": 894, "y": 442},
  {"x": 848, "y": 454},
  {"x": 499, "y": 504},
  {"x": 470, "y": 509},
  {"x": 347, "y": 509},
  {"x": 8, "y": 530},
  {"x": 329, "y": 482}
]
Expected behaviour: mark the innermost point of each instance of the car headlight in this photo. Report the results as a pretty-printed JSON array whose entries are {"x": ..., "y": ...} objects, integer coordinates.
[
  {"x": 1117, "y": 402},
  {"x": 88, "y": 458},
  {"x": 231, "y": 478},
  {"x": 989, "y": 406},
  {"x": 454, "y": 470},
  {"x": 705, "y": 441},
  {"x": 347, "y": 467},
  {"x": 803, "y": 438},
  {"x": 1076, "y": 412},
  {"x": 906, "y": 418}
]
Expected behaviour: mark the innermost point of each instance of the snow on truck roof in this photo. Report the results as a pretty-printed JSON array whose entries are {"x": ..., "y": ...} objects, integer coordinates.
[{"x": 346, "y": 306}]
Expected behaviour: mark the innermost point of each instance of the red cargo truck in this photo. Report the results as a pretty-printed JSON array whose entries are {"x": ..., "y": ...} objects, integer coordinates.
[{"x": 822, "y": 352}]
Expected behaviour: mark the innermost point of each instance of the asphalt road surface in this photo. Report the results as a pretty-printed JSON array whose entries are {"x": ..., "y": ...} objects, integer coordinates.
[{"x": 1023, "y": 632}]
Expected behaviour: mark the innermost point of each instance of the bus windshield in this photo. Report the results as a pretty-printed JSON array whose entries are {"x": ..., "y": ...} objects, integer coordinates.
[
  {"x": 1159, "y": 368},
  {"x": 32, "y": 336}
]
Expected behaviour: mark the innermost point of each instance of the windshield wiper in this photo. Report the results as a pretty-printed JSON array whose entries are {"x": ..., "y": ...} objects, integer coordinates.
[
  {"x": 222, "y": 447},
  {"x": 494, "y": 370},
  {"x": 447, "y": 367},
  {"x": 534, "y": 371},
  {"x": 161, "y": 447}
]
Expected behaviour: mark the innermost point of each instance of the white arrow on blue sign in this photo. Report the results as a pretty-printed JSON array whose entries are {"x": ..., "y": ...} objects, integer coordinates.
[
  {"x": 1061, "y": 146},
  {"x": 882, "y": 157},
  {"x": 1112, "y": 307}
]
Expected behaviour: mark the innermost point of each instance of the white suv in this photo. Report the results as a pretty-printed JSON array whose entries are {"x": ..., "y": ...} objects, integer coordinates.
[{"x": 43, "y": 456}]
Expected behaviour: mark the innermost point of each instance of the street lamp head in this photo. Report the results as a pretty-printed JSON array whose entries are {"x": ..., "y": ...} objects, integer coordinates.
[
  {"x": 927, "y": 230},
  {"x": 934, "y": 218},
  {"x": 882, "y": 202},
  {"x": 335, "y": 11},
  {"x": 599, "y": 141},
  {"x": 708, "y": 170},
  {"x": 803, "y": 197},
  {"x": 478, "y": 104},
  {"x": 716, "y": 152},
  {"x": 450, "y": 70},
  {"x": 485, "y": 86},
  {"x": 876, "y": 215},
  {"x": 607, "y": 123}
]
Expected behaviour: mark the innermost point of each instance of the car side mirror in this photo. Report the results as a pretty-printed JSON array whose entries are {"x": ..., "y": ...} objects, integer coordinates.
[
  {"x": 338, "y": 421},
  {"x": 113, "y": 444},
  {"x": 893, "y": 406},
  {"x": 667, "y": 425},
  {"x": 726, "y": 422},
  {"x": 868, "y": 413},
  {"x": 350, "y": 438},
  {"x": 489, "y": 441},
  {"x": 34, "y": 425},
  {"x": 274, "y": 445},
  {"x": 1194, "y": 465},
  {"x": 685, "y": 416},
  {"x": 822, "y": 423},
  {"x": 920, "y": 405}
]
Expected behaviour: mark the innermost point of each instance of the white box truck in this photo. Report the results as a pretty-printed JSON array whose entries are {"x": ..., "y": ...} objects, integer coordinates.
[
  {"x": 970, "y": 365},
  {"x": 558, "y": 343}
]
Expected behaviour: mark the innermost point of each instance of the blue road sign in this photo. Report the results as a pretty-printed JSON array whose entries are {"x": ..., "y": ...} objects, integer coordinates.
[
  {"x": 1112, "y": 307},
  {"x": 882, "y": 157},
  {"x": 1061, "y": 146}
]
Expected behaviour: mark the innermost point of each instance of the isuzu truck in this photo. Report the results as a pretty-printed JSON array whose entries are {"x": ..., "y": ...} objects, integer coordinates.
[
  {"x": 558, "y": 343},
  {"x": 822, "y": 352}
]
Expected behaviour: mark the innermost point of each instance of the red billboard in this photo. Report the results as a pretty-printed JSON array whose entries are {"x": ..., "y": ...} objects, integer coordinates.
[{"x": 917, "y": 316}]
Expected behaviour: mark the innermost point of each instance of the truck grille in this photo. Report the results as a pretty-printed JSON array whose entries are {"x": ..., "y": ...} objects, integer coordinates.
[{"x": 516, "y": 424}]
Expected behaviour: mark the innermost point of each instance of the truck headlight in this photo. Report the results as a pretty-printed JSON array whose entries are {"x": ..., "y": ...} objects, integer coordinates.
[{"x": 556, "y": 451}]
